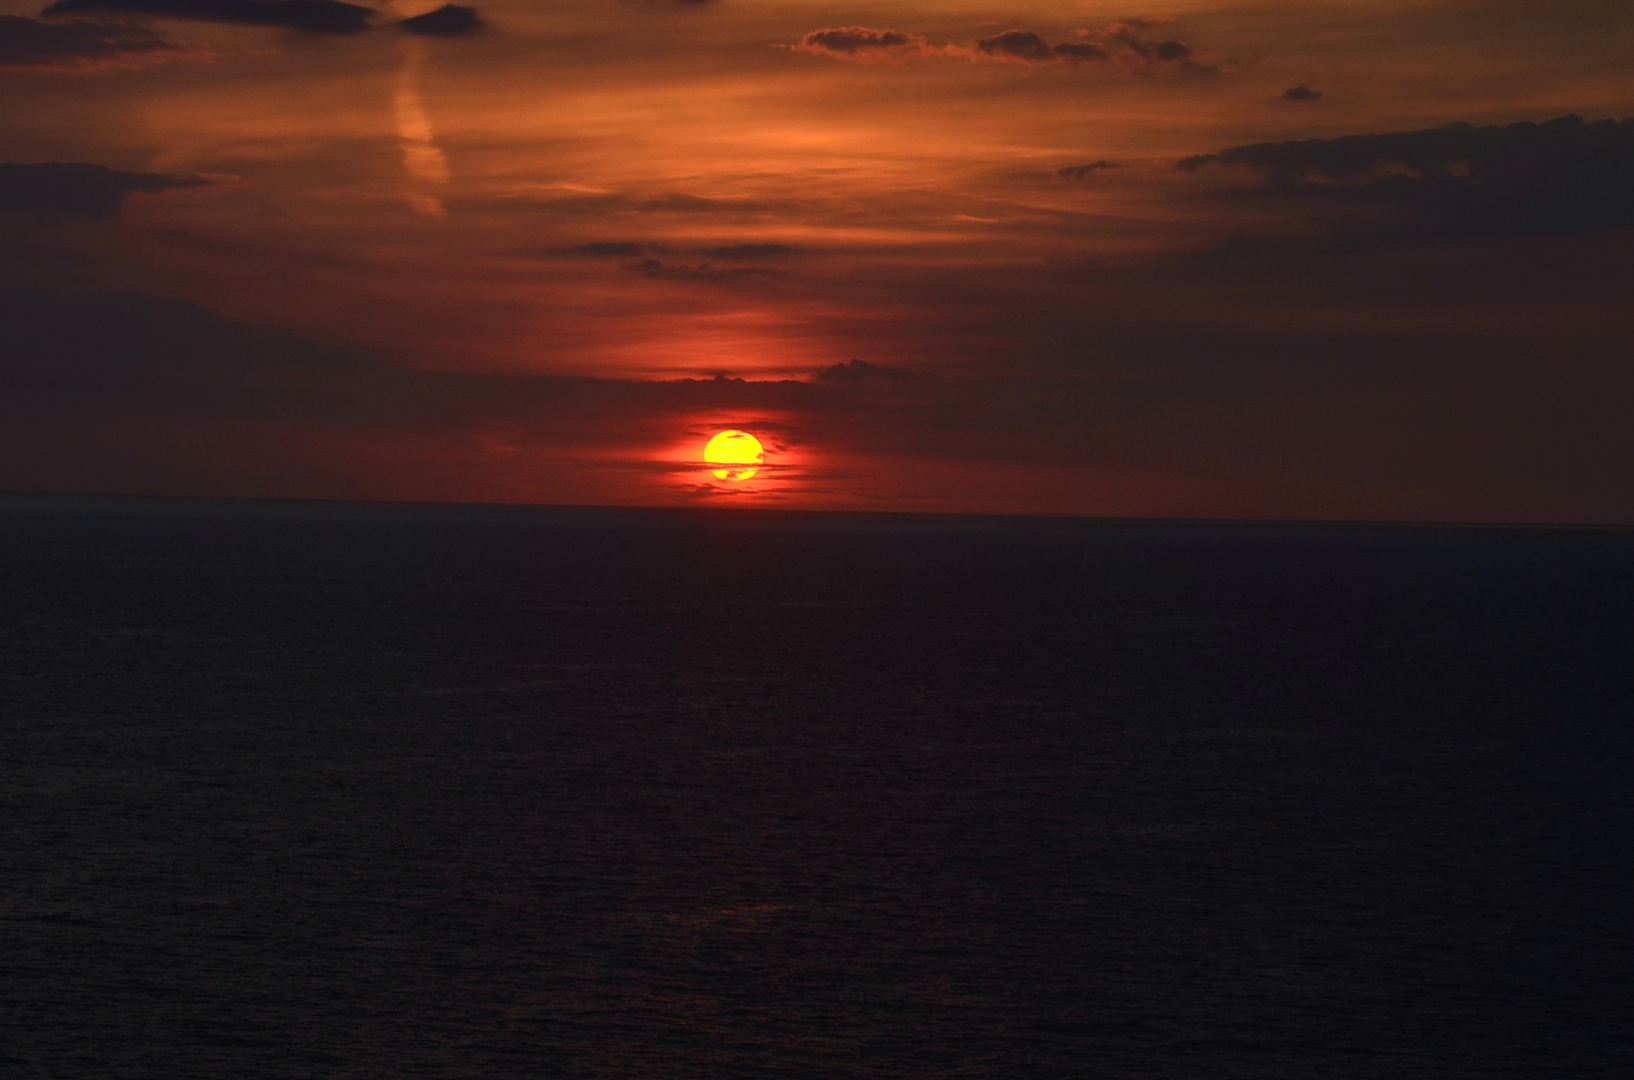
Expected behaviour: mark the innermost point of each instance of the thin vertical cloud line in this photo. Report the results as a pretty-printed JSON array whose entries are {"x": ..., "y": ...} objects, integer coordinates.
[{"x": 425, "y": 163}]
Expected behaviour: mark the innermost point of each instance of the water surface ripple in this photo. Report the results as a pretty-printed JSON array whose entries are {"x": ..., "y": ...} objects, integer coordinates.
[{"x": 345, "y": 791}]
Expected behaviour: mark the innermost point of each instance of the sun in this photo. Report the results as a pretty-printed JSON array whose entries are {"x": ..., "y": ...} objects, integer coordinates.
[{"x": 738, "y": 450}]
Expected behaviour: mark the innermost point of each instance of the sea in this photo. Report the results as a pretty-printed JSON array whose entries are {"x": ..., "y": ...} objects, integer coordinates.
[{"x": 386, "y": 791}]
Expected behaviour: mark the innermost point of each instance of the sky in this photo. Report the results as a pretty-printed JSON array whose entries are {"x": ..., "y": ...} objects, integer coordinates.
[{"x": 1330, "y": 259}]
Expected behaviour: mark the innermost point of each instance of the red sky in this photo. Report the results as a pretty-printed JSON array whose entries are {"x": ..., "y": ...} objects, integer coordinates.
[{"x": 1213, "y": 259}]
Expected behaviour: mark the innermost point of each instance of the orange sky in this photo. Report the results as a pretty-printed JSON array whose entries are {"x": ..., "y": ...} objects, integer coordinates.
[{"x": 530, "y": 262}]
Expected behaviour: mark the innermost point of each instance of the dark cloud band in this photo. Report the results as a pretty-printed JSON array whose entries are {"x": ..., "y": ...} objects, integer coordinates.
[
  {"x": 1087, "y": 170},
  {"x": 450, "y": 20},
  {"x": 1562, "y": 176},
  {"x": 79, "y": 188},
  {"x": 1129, "y": 46},
  {"x": 860, "y": 43},
  {"x": 28, "y": 42},
  {"x": 858, "y": 371},
  {"x": 1017, "y": 45},
  {"x": 310, "y": 16},
  {"x": 750, "y": 251}
]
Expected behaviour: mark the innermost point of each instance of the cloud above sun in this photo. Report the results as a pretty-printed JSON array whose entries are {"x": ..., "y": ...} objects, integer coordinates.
[
  {"x": 1561, "y": 176},
  {"x": 1137, "y": 45},
  {"x": 864, "y": 44},
  {"x": 319, "y": 17},
  {"x": 310, "y": 16},
  {"x": 81, "y": 45},
  {"x": 82, "y": 189}
]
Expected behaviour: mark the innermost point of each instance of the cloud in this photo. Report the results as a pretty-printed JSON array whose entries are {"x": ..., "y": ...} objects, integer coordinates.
[
  {"x": 1021, "y": 45},
  {"x": 79, "y": 188},
  {"x": 424, "y": 163},
  {"x": 310, "y": 16},
  {"x": 750, "y": 251},
  {"x": 652, "y": 268},
  {"x": 1561, "y": 176},
  {"x": 1127, "y": 46},
  {"x": 862, "y": 43},
  {"x": 861, "y": 370},
  {"x": 1078, "y": 52},
  {"x": 1086, "y": 171},
  {"x": 1029, "y": 47},
  {"x": 1132, "y": 35},
  {"x": 1302, "y": 93},
  {"x": 1137, "y": 45},
  {"x": 604, "y": 248},
  {"x": 450, "y": 20},
  {"x": 80, "y": 45},
  {"x": 170, "y": 354}
]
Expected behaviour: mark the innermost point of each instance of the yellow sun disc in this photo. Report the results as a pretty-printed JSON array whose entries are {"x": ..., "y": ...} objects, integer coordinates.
[{"x": 739, "y": 451}]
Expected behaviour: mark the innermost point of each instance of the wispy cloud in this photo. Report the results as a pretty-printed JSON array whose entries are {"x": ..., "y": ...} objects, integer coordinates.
[
  {"x": 863, "y": 44},
  {"x": 80, "y": 188},
  {"x": 1562, "y": 176},
  {"x": 83, "y": 45},
  {"x": 1137, "y": 45},
  {"x": 450, "y": 20},
  {"x": 423, "y": 160},
  {"x": 1087, "y": 170},
  {"x": 310, "y": 16}
]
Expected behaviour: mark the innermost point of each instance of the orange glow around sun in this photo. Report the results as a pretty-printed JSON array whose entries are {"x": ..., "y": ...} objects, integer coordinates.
[{"x": 739, "y": 451}]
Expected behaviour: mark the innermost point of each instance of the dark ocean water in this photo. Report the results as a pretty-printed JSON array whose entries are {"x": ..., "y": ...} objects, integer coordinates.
[{"x": 305, "y": 790}]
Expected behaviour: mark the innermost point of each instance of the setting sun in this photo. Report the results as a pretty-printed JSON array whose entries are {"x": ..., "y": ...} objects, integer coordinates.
[{"x": 739, "y": 450}]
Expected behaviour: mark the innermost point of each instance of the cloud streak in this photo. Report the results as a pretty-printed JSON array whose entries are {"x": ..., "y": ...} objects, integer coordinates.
[
  {"x": 308, "y": 16},
  {"x": 863, "y": 44},
  {"x": 1087, "y": 171},
  {"x": 423, "y": 161},
  {"x": 750, "y": 251},
  {"x": 1130, "y": 46},
  {"x": 860, "y": 371},
  {"x": 81, "y": 189},
  {"x": 450, "y": 20},
  {"x": 652, "y": 268},
  {"x": 81, "y": 45},
  {"x": 1562, "y": 176}
]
